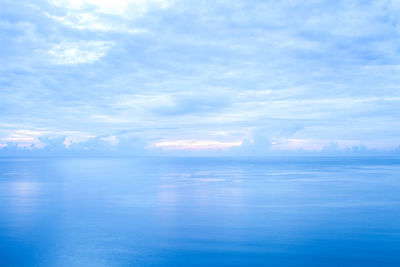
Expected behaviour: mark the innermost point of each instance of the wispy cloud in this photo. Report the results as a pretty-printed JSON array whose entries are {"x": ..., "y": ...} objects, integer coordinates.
[
  {"x": 75, "y": 138},
  {"x": 79, "y": 52},
  {"x": 253, "y": 76},
  {"x": 196, "y": 144},
  {"x": 102, "y": 15},
  {"x": 23, "y": 139}
]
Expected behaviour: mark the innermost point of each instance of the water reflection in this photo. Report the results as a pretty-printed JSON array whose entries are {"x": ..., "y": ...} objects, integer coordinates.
[
  {"x": 197, "y": 212},
  {"x": 24, "y": 196}
]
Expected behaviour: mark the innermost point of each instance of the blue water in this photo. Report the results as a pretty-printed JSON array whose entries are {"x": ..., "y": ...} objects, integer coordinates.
[{"x": 200, "y": 212}]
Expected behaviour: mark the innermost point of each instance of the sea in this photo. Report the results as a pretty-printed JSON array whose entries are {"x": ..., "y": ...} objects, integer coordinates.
[{"x": 207, "y": 211}]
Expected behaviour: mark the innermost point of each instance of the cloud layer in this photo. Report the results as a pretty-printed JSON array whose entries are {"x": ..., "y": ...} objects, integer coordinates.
[{"x": 156, "y": 76}]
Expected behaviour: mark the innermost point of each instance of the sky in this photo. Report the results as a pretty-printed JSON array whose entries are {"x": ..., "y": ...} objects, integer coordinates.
[{"x": 166, "y": 77}]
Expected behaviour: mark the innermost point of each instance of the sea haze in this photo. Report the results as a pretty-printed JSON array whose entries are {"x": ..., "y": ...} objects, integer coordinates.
[{"x": 330, "y": 211}]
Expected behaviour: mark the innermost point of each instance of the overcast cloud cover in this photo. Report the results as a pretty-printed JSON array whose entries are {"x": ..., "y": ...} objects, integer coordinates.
[{"x": 199, "y": 77}]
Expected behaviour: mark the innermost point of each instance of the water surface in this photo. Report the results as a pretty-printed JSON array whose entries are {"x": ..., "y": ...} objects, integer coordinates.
[{"x": 200, "y": 212}]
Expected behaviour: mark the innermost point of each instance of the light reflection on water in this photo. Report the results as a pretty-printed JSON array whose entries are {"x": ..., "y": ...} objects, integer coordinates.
[{"x": 196, "y": 212}]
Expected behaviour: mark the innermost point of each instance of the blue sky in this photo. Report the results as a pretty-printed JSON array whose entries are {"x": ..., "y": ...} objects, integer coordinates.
[{"x": 230, "y": 77}]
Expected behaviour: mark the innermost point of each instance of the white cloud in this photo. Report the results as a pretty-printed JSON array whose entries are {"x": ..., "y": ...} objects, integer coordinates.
[
  {"x": 112, "y": 140},
  {"x": 116, "y": 7},
  {"x": 110, "y": 119},
  {"x": 75, "y": 138},
  {"x": 203, "y": 74},
  {"x": 103, "y": 6},
  {"x": 79, "y": 52},
  {"x": 196, "y": 144},
  {"x": 297, "y": 144},
  {"x": 24, "y": 139},
  {"x": 88, "y": 21},
  {"x": 95, "y": 14}
]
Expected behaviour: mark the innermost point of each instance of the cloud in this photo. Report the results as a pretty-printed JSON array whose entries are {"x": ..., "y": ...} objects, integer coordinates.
[
  {"x": 107, "y": 7},
  {"x": 115, "y": 7},
  {"x": 196, "y": 144},
  {"x": 79, "y": 52},
  {"x": 23, "y": 139},
  {"x": 181, "y": 105},
  {"x": 102, "y": 15},
  {"x": 112, "y": 140},
  {"x": 75, "y": 138},
  {"x": 122, "y": 76},
  {"x": 300, "y": 144}
]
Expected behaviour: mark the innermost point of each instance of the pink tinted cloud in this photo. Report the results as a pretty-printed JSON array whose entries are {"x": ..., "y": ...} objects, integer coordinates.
[{"x": 196, "y": 144}]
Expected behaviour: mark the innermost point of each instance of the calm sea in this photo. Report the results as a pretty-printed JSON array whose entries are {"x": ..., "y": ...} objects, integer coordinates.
[{"x": 200, "y": 212}]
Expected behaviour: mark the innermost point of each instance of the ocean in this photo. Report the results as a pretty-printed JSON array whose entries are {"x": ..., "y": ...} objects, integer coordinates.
[{"x": 310, "y": 211}]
